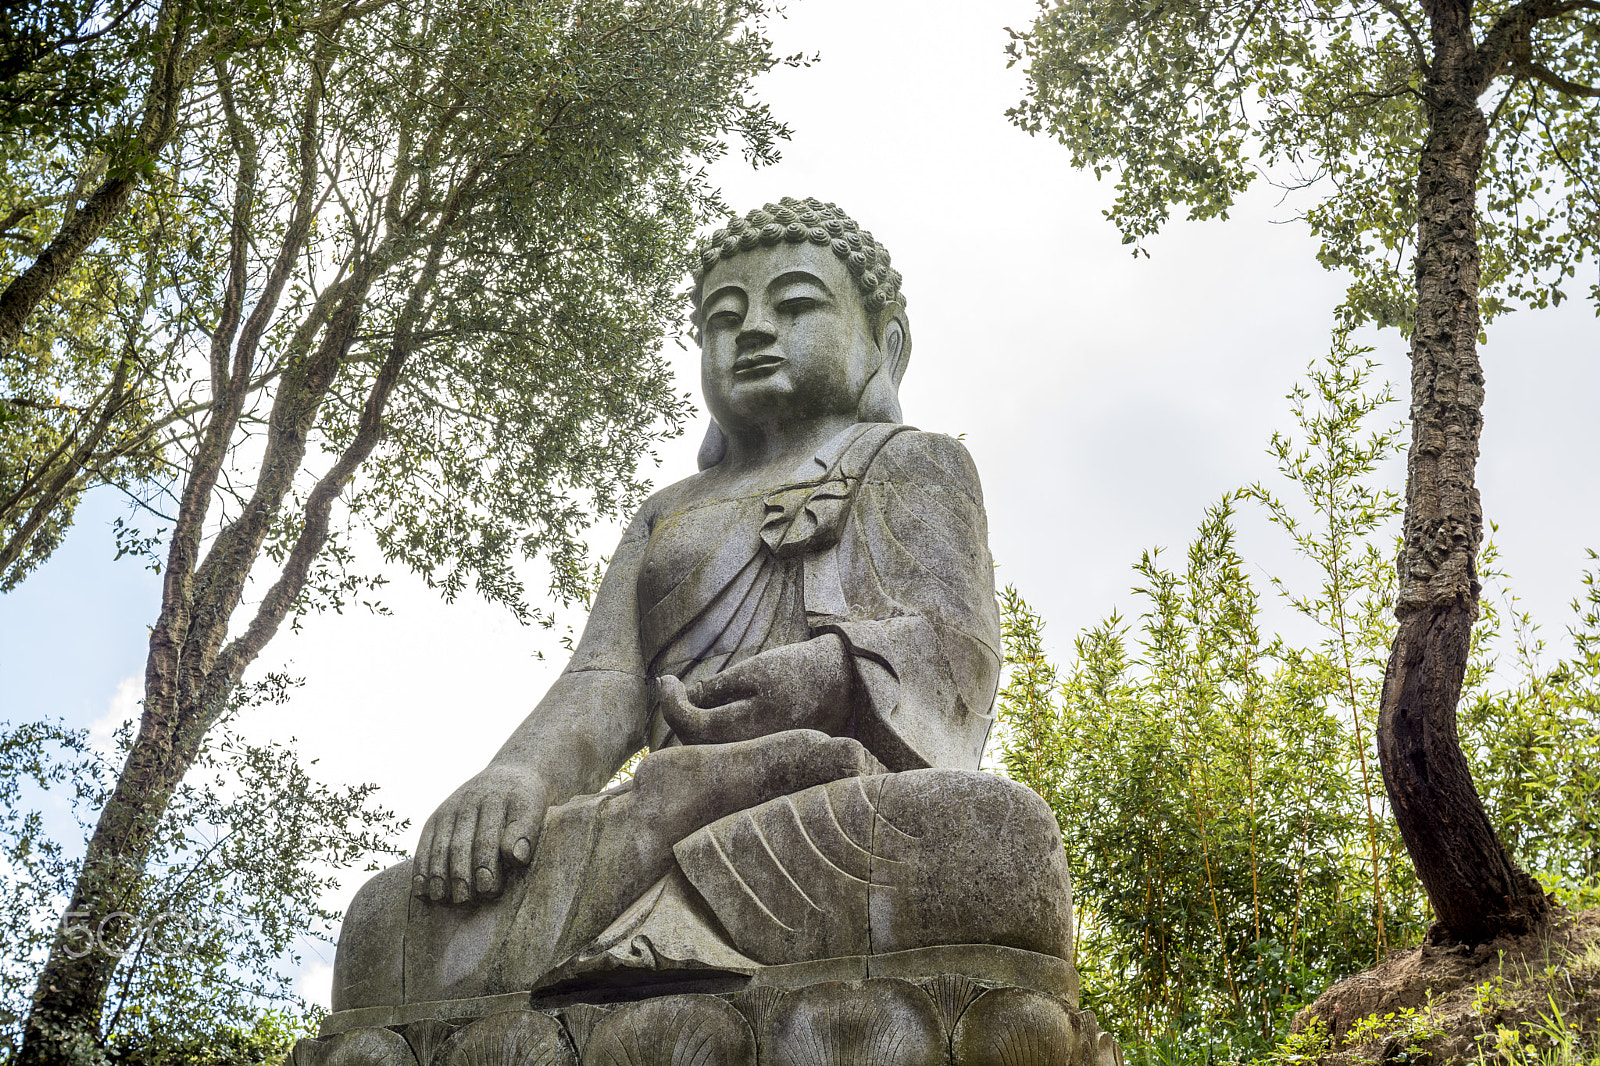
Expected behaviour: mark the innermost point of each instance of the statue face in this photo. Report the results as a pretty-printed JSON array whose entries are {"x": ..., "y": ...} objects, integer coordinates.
[{"x": 785, "y": 337}]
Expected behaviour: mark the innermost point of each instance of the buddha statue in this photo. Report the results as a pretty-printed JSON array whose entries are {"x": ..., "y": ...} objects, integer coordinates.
[{"x": 805, "y": 637}]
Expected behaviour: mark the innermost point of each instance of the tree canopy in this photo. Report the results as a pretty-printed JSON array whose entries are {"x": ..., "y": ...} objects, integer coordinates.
[
  {"x": 1190, "y": 103},
  {"x": 401, "y": 270},
  {"x": 96, "y": 231}
]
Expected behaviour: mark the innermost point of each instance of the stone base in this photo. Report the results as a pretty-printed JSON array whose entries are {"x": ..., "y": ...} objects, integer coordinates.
[{"x": 881, "y": 1021}]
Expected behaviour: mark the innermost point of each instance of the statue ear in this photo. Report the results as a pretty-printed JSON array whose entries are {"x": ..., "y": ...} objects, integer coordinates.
[
  {"x": 896, "y": 346},
  {"x": 714, "y": 448},
  {"x": 880, "y": 400}
]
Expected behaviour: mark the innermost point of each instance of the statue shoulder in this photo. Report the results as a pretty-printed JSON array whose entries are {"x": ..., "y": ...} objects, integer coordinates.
[
  {"x": 930, "y": 460},
  {"x": 664, "y": 501}
]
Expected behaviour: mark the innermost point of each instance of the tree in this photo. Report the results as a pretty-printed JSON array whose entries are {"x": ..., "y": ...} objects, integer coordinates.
[
  {"x": 1229, "y": 856},
  {"x": 449, "y": 239},
  {"x": 243, "y": 858},
  {"x": 92, "y": 96},
  {"x": 1396, "y": 114}
]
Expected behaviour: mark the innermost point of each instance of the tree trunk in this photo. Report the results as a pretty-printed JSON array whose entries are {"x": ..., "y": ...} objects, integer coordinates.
[
  {"x": 63, "y": 1028},
  {"x": 190, "y": 673},
  {"x": 1476, "y": 889}
]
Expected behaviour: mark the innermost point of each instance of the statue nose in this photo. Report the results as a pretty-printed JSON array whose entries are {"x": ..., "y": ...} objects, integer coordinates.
[{"x": 755, "y": 335}]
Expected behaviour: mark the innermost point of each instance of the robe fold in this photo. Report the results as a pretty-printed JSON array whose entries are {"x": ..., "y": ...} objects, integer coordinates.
[{"x": 881, "y": 539}]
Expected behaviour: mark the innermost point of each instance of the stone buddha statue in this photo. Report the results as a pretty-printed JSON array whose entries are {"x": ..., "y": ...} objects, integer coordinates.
[{"x": 804, "y": 635}]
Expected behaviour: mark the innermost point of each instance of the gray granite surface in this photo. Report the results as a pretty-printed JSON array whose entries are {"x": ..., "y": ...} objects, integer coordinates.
[
  {"x": 947, "y": 1020},
  {"x": 805, "y": 637}
]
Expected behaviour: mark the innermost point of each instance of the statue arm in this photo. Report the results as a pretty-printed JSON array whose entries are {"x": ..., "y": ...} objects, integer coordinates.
[
  {"x": 594, "y": 715},
  {"x": 913, "y": 600},
  {"x": 589, "y": 722}
]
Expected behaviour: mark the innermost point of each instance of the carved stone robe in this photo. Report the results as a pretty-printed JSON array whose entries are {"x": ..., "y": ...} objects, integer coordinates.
[{"x": 881, "y": 539}]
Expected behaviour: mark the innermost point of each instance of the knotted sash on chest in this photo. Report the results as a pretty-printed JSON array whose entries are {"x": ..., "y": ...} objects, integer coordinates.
[{"x": 739, "y": 573}]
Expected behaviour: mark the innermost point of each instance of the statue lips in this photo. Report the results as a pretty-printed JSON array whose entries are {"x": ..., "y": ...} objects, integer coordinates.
[{"x": 759, "y": 365}]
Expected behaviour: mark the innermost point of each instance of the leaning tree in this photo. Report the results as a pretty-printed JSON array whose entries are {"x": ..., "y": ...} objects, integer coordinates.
[
  {"x": 1452, "y": 154},
  {"x": 428, "y": 258}
]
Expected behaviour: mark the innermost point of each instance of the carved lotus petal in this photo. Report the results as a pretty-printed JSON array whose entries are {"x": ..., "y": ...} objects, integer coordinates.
[
  {"x": 672, "y": 1031},
  {"x": 952, "y": 993},
  {"x": 358, "y": 1047},
  {"x": 580, "y": 1020},
  {"x": 510, "y": 1038},
  {"x": 425, "y": 1038},
  {"x": 1020, "y": 1027},
  {"x": 877, "y": 1022}
]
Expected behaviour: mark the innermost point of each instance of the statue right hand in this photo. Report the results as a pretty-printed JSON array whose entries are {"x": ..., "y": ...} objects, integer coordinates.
[{"x": 474, "y": 839}]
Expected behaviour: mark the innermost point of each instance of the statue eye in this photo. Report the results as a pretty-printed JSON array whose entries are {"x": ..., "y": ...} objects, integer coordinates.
[
  {"x": 728, "y": 319},
  {"x": 795, "y": 305}
]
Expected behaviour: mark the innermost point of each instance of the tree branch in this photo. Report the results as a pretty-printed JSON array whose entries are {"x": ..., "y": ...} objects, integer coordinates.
[
  {"x": 108, "y": 403},
  {"x": 27, "y": 290},
  {"x": 232, "y": 661},
  {"x": 1399, "y": 15},
  {"x": 1510, "y": 31},
  {"x": 1542, "y": 73},
  {"x": 60, "y": 486},
  {"x": 294, "y": 238},
  {"x": 246, "y": 148}
]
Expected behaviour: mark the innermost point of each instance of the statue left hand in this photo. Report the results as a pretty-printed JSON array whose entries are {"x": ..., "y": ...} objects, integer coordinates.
[{"x": 797, "y": 686}]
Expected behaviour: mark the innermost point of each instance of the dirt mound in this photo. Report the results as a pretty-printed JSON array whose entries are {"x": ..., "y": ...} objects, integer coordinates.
[{"x": 1502, "y": 1002}]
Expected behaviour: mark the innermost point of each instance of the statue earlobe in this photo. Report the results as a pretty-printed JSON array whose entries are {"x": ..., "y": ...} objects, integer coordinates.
[
  {"x": 880, "y": 400},
  {"x": 714, "y": 448}
]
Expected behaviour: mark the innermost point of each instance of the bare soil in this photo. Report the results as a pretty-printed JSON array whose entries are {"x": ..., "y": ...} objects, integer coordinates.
[{"x": 1493, "y": 1003}]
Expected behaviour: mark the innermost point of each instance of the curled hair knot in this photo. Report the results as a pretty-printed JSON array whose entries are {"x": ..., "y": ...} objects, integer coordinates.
[{"x": 823, "y": 224}]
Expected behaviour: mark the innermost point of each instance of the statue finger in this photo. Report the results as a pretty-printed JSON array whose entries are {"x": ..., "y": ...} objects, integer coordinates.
[
  {"x": 461, "y": 840},
  {"x": 670, "y": 692},
  {"x": 672, "y": 700},
  {"x": 419, "y": 860},
  {"x": 724, "y": 688},
  {"x": 688, "y": 723},
  {"x": 523, "y": 821},
  {"x": 439, "y": 855},
  {"x": 486, "y": 846}
]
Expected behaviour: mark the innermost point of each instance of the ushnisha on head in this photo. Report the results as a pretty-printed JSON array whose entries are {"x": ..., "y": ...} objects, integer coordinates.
[
  {"x": 794, "y": 222},
  {"x": 811, "y": 222}
]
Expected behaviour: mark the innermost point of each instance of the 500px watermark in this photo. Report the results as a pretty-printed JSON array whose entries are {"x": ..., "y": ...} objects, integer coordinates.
[{"x": 120, "y": 932}]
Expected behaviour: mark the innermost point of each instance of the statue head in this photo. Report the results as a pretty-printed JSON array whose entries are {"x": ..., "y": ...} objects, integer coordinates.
[{"x": 774, "y": 264}]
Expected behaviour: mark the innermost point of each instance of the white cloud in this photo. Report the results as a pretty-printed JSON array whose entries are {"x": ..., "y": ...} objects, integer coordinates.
[
  {"x": 123, "y": 707},
  {"x": 314, "y": 983}
]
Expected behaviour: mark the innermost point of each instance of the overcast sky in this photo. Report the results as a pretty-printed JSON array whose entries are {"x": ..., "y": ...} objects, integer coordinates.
[{"x": 1106, "y": 399}]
